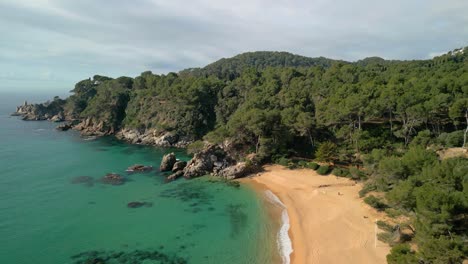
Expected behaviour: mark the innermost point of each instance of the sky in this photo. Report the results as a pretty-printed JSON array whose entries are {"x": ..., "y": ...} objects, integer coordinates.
[{"x": 49, "y": 45}]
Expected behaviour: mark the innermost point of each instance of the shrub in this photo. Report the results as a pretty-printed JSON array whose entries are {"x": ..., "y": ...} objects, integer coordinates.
[
  {"x": 400, "y": 254},
  {"x": 385, "y": 226},
  {"x": 386, "y": 237},
  {"x": 312, "y": 165},
  {"x": 417, "y": 158},
  {"x": 340, "y": 172},
  {"x": 323, "y": 170},
  {"x": 356, "y": 174},
  {"x": 326, "y": 151},
  {"x": 422, "y": 139},
  {"x": 392, "y": 168},
  {"x": 366, "y": 189},
  {"x": 283, "y": 161},
  {"x": 302, "y": 163},
  {"x": 375, "y": 202},
  {"x": 450, "y": 140},
  {"x": 195, "y": 147}
]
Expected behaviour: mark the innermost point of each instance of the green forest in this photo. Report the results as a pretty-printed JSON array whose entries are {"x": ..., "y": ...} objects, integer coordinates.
[{"x": 374, "y": 120}]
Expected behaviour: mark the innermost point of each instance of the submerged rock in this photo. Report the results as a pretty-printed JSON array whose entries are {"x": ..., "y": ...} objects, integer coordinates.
[
  {"x": 85, "y": 180},
  {"x": 139, "y": 168},
  {"x": 139, "y": 204},
  {"x": 113, "y": 179},
  {"x": 168, "y": 162}
]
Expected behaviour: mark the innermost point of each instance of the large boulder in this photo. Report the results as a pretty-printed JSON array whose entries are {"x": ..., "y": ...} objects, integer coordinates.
[
  {"x": 238, "y": 170},
  {"x": 168, "y": 162}
]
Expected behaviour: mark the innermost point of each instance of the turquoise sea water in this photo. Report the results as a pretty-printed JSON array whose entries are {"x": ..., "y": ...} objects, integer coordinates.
[{"x": 45, "y": 218}]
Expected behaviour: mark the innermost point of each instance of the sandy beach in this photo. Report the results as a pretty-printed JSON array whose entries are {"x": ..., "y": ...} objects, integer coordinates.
[{"x": 329, "y": 222}]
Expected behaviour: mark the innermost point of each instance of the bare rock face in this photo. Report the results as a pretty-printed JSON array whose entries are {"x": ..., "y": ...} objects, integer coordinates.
[
  {"x": 153, "y": 137},
  {"x": 168, "y": 162},
  {"x": 91, "y": 127}
]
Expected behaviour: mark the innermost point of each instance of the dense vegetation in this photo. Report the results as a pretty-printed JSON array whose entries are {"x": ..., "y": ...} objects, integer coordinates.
[{"x": 386, "y": 116}]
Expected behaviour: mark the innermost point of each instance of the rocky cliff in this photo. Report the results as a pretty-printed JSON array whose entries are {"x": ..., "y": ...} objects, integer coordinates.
[{"x": 154, "y": 137}]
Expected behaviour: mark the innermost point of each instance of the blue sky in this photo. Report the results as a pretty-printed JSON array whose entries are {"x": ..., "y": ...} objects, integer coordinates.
[{"x": 48, "y": 45}]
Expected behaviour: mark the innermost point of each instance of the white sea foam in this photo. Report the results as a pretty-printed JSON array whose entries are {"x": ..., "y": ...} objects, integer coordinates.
[{"x": 283, "y": 240}]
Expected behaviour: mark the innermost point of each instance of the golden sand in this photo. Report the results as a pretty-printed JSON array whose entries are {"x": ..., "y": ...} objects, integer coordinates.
[{"x": 329, "y": 222}]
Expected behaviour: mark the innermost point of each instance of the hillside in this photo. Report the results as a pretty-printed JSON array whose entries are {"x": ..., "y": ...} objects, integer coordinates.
[{"x": 231, "y": 68}]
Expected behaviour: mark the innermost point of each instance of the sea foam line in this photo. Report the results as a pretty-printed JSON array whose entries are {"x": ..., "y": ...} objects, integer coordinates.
[{"x": 283, "y": 240}]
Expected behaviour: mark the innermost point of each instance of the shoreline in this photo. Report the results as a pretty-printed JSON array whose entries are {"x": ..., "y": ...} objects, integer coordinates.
[{"x": 328, "y": 224}]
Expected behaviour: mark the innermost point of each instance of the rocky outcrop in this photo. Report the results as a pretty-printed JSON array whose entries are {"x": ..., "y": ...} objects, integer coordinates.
[
  {"x": 213, "y": 159},
  {"x": 58, "y": 118},
  {"x": 175, "y": 175},
  {"x": 179, "y": 165},
  {"x": 239, "y": 170},
  {"x": 168, "y": 162},
  {"x": 154, "y": 137},
  {"x": 46, "y": 111},
  {"x": 91, "y": 127},
  {"x": 177, "y": 170},
  {"x": 64, "y": 127}
]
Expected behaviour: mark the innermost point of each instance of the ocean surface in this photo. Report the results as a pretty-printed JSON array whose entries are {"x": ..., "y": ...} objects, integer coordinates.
[{"x": 47, "y": 217}]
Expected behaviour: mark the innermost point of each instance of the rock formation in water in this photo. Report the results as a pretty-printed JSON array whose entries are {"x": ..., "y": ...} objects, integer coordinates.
[
  {"x": 168, "y": 162},
  {"x": 52, "y": 110},
  {"x": 212, "y": 159}
]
